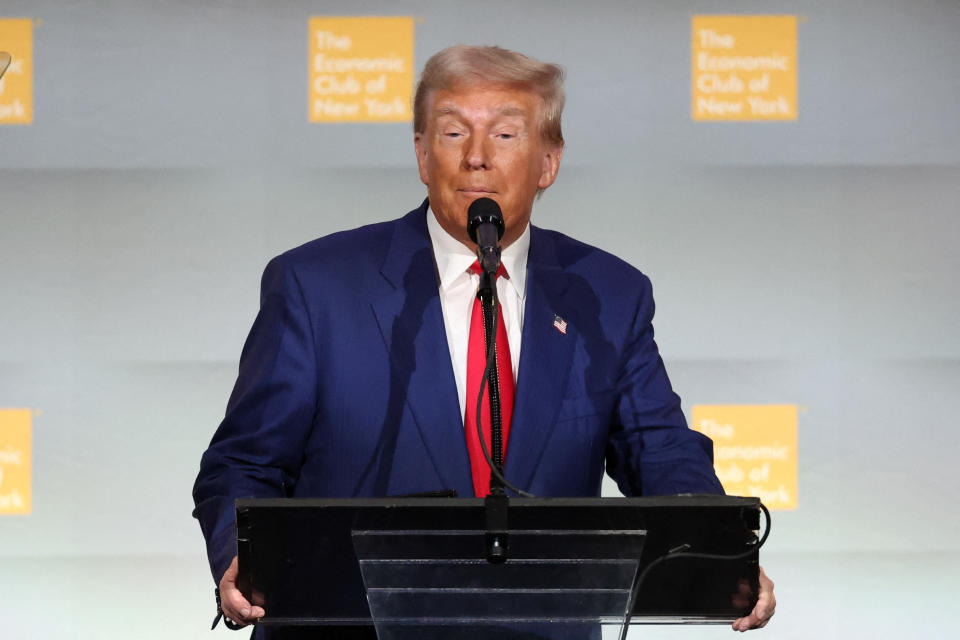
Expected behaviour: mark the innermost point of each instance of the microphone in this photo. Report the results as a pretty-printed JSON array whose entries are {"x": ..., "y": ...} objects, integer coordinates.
[{"x": 485, "y": 227}]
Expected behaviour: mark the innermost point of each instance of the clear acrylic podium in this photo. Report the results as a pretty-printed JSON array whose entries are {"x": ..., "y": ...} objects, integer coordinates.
[
  {"x": 429, "y": 584},
  {"x": 418, "y": 568}
]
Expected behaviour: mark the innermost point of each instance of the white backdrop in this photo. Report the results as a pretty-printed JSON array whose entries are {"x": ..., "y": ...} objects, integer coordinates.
[{"x": 812, "y": 262}]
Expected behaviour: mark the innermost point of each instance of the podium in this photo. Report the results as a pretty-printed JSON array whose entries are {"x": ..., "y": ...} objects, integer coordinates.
[{"x": 418, "y": 567}]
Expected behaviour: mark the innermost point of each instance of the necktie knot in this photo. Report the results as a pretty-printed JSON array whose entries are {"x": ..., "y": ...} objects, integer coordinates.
[{"x": 477, "y": 269}]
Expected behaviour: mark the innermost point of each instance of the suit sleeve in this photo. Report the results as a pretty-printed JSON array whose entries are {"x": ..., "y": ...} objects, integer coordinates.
[
  {"x": 257, "y": 450},
  {"x": 651, "y": 451}
]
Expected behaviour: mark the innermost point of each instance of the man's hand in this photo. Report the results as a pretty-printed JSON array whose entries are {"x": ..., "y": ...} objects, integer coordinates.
[
  {"x": 234, "y": 605},
  {"x": 761, "y": 614}
]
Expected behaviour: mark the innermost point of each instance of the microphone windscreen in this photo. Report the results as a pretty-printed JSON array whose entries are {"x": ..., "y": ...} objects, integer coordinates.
[{"x": 484, "y": 210}]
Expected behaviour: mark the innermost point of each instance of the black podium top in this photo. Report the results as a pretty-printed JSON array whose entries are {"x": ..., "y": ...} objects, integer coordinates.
[{"x": 297, "y": 556}]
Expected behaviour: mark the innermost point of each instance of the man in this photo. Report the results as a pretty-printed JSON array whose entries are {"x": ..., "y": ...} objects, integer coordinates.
[{"x": 356, "y": 377}]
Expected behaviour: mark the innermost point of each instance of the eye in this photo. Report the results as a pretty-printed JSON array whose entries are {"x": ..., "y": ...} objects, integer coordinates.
[
  {"x": 452, "y": 134},
  {"x": 506, "y": 133}
]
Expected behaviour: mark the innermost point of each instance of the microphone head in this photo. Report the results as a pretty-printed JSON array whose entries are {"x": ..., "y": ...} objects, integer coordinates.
[{"x": 484, "y": 210}]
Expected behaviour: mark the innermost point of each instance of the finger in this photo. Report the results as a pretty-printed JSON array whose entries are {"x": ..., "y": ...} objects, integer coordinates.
[
  {"x": 238, "y": 608},
  {"x": 746, "y": 623},
  {"x": 764, "y": 608},
  {"x": 234, "y": 605},
  {"x": 760, "y": 615},
  {"x": 758, "y": 618},
  {"x": 767, "y": 600}
]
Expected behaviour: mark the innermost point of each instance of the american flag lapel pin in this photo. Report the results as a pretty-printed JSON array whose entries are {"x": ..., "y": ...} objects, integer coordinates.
[{"x": 559, "y": 324}]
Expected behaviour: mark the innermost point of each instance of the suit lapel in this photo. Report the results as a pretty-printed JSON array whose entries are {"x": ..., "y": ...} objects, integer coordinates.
[
  {"x": 411, "y": 322},
  {"x": 545, "y": 359}
]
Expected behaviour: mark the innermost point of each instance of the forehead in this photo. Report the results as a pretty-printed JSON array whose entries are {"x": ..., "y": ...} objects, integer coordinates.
[{"x": 485, "y": 101}]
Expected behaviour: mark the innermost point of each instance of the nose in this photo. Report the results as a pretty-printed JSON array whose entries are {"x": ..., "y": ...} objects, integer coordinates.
[{"x": 478, "y": 153}]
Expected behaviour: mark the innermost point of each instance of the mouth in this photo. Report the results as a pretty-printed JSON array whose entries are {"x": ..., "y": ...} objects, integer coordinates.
[{"x": 477, "y": 191}]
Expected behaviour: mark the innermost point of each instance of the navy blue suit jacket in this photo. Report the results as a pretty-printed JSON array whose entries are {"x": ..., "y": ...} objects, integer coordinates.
[{"x": 346, "y": 386}]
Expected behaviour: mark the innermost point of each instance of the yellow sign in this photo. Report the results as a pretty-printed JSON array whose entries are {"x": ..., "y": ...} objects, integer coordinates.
[
  {"x": 16, "y": 86},
  {"x": 14, "y": 461},
  {"x": 754, "y": 450},
  {"x": 744, "y": 67},
  {"x": 361, "y": 69}
]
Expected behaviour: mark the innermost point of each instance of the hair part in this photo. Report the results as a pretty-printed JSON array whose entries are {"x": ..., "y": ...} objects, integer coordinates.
[{"x": 470, "y": 65}]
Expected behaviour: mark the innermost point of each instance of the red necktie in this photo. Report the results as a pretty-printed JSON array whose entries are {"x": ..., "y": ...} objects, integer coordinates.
[{"x": 476, "y": 362}]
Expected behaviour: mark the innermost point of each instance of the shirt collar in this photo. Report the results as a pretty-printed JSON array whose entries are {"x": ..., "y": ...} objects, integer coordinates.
[{"x": 454, "y": 258}]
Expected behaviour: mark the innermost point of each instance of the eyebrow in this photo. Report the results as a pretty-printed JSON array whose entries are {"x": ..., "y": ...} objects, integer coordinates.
[{"x": 502, "y": 111}]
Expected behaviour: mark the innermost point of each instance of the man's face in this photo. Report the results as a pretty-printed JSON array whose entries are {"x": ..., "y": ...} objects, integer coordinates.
[{"x": 484, "y": 142}]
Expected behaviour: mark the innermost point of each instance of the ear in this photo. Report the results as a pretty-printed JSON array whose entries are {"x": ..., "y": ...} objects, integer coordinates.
[
  {"x": 550, "y": 165},
  {"x": 420, "y": 148}
]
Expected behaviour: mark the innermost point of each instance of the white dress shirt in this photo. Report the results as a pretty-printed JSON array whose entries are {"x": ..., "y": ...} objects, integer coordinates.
[{"x": 458, "y": 289}]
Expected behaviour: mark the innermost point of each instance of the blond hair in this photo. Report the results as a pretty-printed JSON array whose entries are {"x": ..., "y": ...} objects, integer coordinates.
[{"x": 467, "y": 65}]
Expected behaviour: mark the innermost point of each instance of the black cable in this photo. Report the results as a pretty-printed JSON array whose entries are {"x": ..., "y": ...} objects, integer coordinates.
[
  {"x": 681, "y": 552},
  {"x": 490, "y": 330},
  {"x": 491, "y": 362}
]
